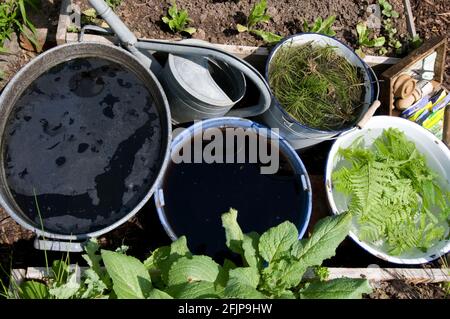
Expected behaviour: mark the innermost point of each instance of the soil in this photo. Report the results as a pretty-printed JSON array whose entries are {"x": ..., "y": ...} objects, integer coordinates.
[
  {"x": 432, "y": 18},
  {"x": 287, "y": 17},
  {"x": 20, "y": 51},
  {"x": 400, "y": 289}
]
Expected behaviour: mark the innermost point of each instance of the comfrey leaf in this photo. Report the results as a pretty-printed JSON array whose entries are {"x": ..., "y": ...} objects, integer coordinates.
[
  {"x": 281, "y": 275},
  {"x": 341, "y": 288},
  {"x": 245, "y": 275},
  {"x": 196, "y": 268},
  {"x": 327, "y": 235},
  {"x": 193, "y": 290},
  {"x": 237, "y": 289},
  {"x": 233, "y": 231},
  {"x": 158, "y": 294},
  {"x": 245, "y": 245},
  {"x": 131, "y": 279},
  {"x": 277, "y": 241}
]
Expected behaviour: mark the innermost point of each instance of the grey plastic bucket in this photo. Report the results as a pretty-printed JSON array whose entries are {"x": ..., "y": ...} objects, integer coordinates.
[
  {"x": 225, "y": 122},
  {"x": 65, "y": 241},
  {"x": 301, "y": 136}
]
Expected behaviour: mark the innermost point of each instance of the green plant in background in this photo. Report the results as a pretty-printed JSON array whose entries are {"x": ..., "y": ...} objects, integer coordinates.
[
  {"x": 177, "y": 20},
  {"x": 387, "y": 9},
  {"x": 389, "y": 14},
  {"x": 272, "y": 266},
  {"x": 393, "y": 194},
  {"x": 321, "y": 26},
  {"x": 13, "y": 18},
  {"x": 258, "y": 14},
  {"x": 365, "y": 40},
  {"x": 316, "y": 86},
  {"x": 113, "y": 3}
]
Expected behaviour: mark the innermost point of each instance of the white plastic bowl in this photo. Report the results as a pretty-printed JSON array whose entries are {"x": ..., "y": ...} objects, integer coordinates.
[{"x": 438, "y": 159}]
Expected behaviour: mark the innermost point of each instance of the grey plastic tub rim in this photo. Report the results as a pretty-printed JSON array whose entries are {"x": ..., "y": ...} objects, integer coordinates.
[
  {"x": 27, "y": 75},
  {"x": 284, "y": 146}
]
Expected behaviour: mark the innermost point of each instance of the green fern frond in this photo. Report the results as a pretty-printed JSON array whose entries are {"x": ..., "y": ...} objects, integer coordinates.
[{"x": 393, "y": 194}]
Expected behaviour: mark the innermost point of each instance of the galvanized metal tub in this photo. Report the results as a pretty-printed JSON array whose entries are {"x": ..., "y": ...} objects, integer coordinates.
[{"x": 25, "y": 78}]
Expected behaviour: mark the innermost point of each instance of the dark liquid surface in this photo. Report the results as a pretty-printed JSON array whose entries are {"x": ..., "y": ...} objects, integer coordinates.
[
  {"x": 85, "y": 137},
  {"x": 196, "y": 195}
]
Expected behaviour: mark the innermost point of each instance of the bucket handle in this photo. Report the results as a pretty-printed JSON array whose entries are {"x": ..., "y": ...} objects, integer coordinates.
[
  {"x": 369, "y": 114},
  {"x": 131, "y": 42}
]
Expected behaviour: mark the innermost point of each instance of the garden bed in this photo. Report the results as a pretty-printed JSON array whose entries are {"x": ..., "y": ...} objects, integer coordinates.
[{"x": 144, "y": 233}]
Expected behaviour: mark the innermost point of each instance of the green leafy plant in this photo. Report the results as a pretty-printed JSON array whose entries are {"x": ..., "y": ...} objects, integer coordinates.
[
  {"x": 316, "y": 86},
  {"x": 387, "y": 9},
  {"x": 321, "y": 26},
  {"x": 393, "y": 194},
  {"x": 13, "y": 18},
  {"x": 365, "y": 40},
  {"x": 113, "y": 3},
  {"x": 389, "y": 14},
  {"x": 177, "y": 20},
  {"x": 272, "y": 266},
  {"x": 258, "y": 14}
]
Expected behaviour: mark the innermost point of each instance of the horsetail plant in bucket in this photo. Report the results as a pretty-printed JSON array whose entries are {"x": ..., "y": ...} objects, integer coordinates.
[{"x": 316, "y": 86}]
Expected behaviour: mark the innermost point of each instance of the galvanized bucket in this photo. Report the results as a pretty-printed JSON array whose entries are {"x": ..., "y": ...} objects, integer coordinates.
[
  {"x": 299, "y": 135},
  {"x": 94, "y": 224},
  {"x": 200, "y": 88},
  {"x": 194, "y": 91}
]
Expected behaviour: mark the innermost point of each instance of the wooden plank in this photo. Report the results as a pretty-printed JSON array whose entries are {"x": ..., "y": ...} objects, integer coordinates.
[
  {"x": 64, "y": 21},
  {"x": 446, "y": 135},
  {"x": 417, "y": 275},
  {"x": 437, "y": 44},
  {"x": 17, "y": 278},
  {"x": 409, "y": 18},
  {"x": 431, "y": 275}
]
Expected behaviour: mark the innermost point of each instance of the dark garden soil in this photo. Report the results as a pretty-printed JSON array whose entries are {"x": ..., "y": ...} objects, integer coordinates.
[
  {"x": 216, "y": 22},
  {"x": 432, "y": 18},
  {"x": 400, "y": 289},
  {"x": 20, "y": 51}
]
